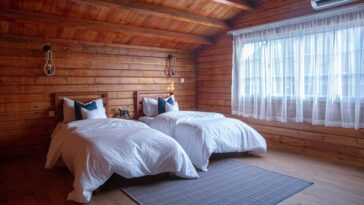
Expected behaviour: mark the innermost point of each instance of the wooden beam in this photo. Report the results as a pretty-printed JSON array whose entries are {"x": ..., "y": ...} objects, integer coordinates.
[
  {"x": 239, "y": 4},
  {"x": 163, "y": 12},
  {"x": 103, "y": 26},
  {"x": 90, "y": 43}
]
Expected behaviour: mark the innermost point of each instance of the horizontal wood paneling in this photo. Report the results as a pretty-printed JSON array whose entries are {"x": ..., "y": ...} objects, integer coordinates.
[
  {"x": 214, "y": 66},
  {"x": 26, "y": 94}
]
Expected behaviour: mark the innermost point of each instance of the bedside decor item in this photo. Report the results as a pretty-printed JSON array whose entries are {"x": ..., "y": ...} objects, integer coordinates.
[
  {"x": 124, "y": 113},
  {"x": 171, "y": 65},
  {"x": 49, "y": 67}
]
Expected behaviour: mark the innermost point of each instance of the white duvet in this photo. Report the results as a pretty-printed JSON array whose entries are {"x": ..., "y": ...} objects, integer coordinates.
[
  {"x": 167, "y": 122},
  {"x": 95, "y": 149},
  {"x": 204, "y": 133},
  {"x": 202, "y": 138}
]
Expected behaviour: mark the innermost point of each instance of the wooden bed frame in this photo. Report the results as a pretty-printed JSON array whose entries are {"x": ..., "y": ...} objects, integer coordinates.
[
  {"x": 138, "y": 99},
  {"x": 83, "y": 97}
]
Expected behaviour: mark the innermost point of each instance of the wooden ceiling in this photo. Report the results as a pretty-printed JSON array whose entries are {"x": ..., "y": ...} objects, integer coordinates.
[{"x": 176, "y": 24}]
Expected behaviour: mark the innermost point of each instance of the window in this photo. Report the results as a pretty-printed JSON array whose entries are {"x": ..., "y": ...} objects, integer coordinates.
[{"x": 306, "y": 70}]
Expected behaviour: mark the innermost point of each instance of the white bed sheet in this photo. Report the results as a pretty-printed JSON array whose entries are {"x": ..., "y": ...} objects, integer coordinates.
[
  {"x": 146, "y": 120},
  {"x": 95, "y": 149}
]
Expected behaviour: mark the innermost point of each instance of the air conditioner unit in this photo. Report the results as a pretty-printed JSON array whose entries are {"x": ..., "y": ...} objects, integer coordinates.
[{"x": 323, "y": 4}]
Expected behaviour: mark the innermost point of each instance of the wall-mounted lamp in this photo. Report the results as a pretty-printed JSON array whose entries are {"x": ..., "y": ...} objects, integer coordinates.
[
  {"x": 49, "y": 67},
  {"x": 171, "y": 65}
]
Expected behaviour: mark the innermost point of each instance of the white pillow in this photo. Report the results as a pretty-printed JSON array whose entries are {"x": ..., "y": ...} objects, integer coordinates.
[
  {"x": 172, "y": 107},
  {"x": 69, "y": 109},
  {"x": 100, "y": 105},
  {"x": 150, "y": 107},
  {"x": 93, "y": 114}
]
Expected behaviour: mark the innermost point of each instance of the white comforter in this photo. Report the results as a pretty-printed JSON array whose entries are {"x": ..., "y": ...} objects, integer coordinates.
[
  {"x": 167, "y": 122},
  {"x": 204, "y": 133},
  {"x": 202, "y": 138},
  {"x": 95, "y": 149}
]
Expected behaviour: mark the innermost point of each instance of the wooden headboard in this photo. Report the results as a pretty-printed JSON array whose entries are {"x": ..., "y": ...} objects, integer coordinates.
[
  {"x": 138, "y": 99},
  {"x": 83, "y": 97}
]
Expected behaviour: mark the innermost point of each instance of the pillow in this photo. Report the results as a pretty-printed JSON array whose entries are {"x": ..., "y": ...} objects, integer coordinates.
[
  {"x": 100, "y": 104},
  {"x": 162, "y": 104},
  {"x": 93, "y": 114},
  {"x": 172, "y": 107},
  {"x": 69, "y": 109},
  {"x": 150, "y": 107},
  {"x": 172, "y": 96},
  {"x": 89, "y": 106}
]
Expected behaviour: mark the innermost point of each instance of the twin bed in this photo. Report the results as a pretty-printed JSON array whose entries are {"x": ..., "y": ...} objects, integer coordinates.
[
  {"x": 202, "y": 133},
  {"x": 174, "y": 142}
]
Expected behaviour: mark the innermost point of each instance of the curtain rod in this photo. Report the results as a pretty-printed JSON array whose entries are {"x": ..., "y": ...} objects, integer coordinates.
[{"x": 352, "y": 8}]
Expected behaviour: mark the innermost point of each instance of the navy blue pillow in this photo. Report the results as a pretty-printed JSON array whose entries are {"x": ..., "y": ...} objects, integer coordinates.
[
  {"x": 162, "y": 104},
  {"x": 78, "y": 105}
]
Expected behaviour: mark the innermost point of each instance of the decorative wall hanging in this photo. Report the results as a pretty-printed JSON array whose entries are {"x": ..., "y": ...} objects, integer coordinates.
[
  {"x": 171, "y": 65},
  {"x": 49, "y": 67}
]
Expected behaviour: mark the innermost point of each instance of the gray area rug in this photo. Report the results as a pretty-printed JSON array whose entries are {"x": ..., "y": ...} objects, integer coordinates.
[{"x": 227, "y": 182}]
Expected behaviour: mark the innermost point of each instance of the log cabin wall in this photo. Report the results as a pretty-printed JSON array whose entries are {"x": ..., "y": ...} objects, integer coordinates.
[
  {"x": 214, "y": 65},
  {"x": 94, "y": 43},
  {"x": 26, "y": 93}
]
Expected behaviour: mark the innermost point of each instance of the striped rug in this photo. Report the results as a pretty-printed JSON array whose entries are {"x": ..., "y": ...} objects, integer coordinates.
[{"x": 227, "y": 183}]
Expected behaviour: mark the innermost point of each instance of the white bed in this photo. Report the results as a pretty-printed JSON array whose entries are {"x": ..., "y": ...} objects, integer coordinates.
[
  {"x": 94, "y": 149},
  {"x": 201, "y": 134},
  {"x": 204, "y": 133}
]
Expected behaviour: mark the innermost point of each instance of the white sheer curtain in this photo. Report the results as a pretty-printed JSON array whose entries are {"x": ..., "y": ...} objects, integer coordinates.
[{"x": 309, "y": 69}]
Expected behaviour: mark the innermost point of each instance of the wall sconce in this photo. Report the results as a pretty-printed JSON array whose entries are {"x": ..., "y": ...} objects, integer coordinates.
[
  {"x": 171, "y": 65},
  {"x": 49, "y": 67}
]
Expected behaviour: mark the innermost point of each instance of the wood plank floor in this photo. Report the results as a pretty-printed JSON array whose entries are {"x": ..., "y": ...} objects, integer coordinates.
[{"x": 25, "y": 181}]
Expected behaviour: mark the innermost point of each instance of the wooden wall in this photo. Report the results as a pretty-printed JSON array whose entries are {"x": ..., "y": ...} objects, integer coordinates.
[
  {"x": 26, "y": 94},
  {"x": 214, "y": 65}
]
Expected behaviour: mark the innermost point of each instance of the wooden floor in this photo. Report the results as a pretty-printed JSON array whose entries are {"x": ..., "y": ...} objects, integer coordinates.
[{"x": 25, "y": 181}]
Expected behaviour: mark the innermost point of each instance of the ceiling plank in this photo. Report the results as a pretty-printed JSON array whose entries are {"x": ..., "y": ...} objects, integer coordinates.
[
  {"x": 163, "y": 12},
  {"x": 103, "y": 26},
  {"x": 239, "y": 4}
]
